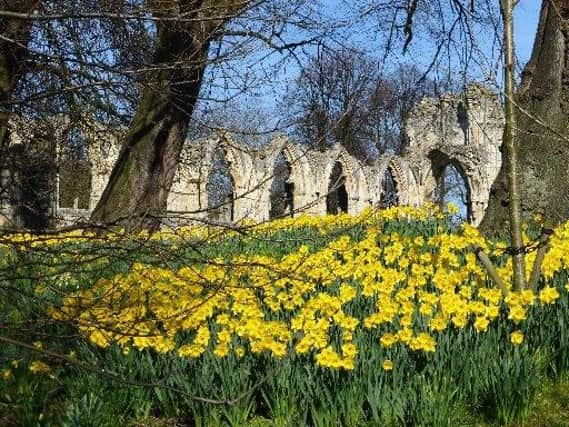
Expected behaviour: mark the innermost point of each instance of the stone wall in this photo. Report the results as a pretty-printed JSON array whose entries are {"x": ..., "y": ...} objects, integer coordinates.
[{"x": 464, "y": 130}]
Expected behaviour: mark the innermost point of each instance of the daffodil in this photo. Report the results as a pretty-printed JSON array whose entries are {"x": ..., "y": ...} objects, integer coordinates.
[{"x": 516, "y": 337}]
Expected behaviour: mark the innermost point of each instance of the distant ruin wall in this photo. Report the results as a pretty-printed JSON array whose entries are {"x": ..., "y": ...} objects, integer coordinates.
[{"x": 463, "y": 130}]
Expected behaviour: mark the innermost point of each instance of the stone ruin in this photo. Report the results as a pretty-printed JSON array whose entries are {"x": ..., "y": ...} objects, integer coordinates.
[{"x": 461, "y": 130}]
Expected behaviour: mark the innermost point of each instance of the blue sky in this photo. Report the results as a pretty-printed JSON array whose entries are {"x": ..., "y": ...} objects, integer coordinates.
[
  {"x": 527, "y": 14},
  {"x": 274, "y": 84}
]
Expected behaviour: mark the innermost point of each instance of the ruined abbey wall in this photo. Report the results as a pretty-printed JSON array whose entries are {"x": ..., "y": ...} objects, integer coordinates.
[{"x": 464, "y": 130}]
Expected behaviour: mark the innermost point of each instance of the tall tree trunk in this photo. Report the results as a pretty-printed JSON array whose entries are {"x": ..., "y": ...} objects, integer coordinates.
[
  {"x": 138, "y": 187},
  {"x": 13, "y": 54},
  {"x": 510, "y": 147},
  {"x": 543, "y": 117}
]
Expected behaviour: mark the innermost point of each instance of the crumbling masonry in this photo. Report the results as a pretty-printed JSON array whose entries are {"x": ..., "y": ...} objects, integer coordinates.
[{"x": 463, "y": 130}]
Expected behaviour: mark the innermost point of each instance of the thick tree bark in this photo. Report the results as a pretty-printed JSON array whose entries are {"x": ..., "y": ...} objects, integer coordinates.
[
  {"x": 543, "y": 116},
  {"x": 13, "y": 50},
  {"x": 138, "y": 187},
  {"x": 13, "y": 54}
]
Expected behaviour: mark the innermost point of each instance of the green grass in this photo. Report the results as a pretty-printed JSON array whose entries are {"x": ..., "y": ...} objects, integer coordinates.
[
  {"x": 472, "y": 380},
  {"x": 549, "y": 408}
]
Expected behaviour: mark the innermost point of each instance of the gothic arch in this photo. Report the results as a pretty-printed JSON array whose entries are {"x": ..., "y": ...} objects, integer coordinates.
[
  {"x": 74, "y": 180},
  {"x": 402, "y": 186},
  {"x": 440, "y": 160},
  {"x": 301, "y": 171},
  {"x": 189, "y": 193},
  {"x": 355, "y": 181},
  {"x": 239, "y": 168},
  {"x": 389, "y": 189}
]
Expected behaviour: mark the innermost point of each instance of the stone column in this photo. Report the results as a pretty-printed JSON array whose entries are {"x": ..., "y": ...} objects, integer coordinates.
[{"x": 6, "y": 208}]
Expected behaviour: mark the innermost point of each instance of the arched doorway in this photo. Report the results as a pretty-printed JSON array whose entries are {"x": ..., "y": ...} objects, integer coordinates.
[
  {"x": 389, "y": 189},
  {"x": 452, "y": 188},
  {"x": 74, "y": 172},
  {"x": 337, "y": 195},
  {"x": 220, "y": 189},
  {"x": 282, "y": 189}
]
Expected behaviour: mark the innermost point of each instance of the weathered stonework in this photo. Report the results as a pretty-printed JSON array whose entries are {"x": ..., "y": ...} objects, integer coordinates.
[
  {"x": 463, "y": 130},
  {"x": 28, "y": 173}
]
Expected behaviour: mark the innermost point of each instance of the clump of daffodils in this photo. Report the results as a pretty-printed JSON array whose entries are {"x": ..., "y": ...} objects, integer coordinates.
[{"x": 405, "y": 289}]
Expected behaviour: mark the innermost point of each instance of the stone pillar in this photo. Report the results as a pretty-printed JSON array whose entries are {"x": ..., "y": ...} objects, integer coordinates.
[
  {"x": 241, "y": 203},
  {"x": 99, "y": 178},
  {"x": 6, "y": 207},
  {"x": 11, "y": 189}
]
